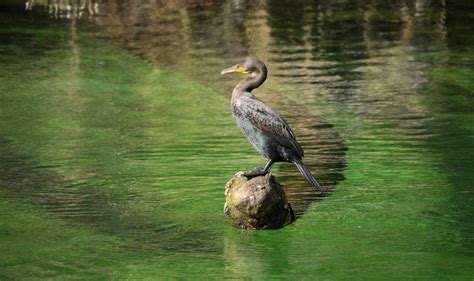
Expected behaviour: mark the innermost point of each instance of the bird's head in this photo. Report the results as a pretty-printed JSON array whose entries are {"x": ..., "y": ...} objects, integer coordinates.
[{"x": 249, "y": 65}]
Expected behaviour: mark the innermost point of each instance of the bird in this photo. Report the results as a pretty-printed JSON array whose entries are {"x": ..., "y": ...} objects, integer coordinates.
[{"x": 269, "y": 133}]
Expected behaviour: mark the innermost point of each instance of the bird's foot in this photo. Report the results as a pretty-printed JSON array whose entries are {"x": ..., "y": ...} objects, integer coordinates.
[{"x": 259, "y": 171}]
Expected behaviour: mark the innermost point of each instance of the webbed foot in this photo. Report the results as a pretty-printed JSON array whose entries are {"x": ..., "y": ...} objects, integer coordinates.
[{"x": 259, "y": 171}]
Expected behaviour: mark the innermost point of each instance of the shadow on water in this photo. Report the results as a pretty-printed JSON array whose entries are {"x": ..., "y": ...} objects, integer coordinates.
[{"x": 107, "y": 212}]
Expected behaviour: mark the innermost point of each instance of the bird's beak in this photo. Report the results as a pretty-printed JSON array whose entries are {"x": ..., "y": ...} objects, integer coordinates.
[{"x": 234, "y": 68}]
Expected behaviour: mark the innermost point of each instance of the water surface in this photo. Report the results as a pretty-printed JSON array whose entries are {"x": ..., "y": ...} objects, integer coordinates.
[{"x": 116, "y": 138}]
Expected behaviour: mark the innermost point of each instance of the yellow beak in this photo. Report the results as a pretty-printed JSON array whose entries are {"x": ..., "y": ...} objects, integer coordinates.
[{"x": 234, "y": 68}]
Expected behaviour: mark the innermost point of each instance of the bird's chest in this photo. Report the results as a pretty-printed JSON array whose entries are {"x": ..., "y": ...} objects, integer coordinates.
[
  {"x": 245, "y": 125},
  {"x": 256, "y": 137}
]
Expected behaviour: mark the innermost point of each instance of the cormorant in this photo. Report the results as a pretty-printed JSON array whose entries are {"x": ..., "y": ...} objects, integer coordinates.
[{"x": 263, "y": 127}]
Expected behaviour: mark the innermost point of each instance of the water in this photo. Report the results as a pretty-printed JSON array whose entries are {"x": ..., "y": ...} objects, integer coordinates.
[{"x": 116, "y": 138}]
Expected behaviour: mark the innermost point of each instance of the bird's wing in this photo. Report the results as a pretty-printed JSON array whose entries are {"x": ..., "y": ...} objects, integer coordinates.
[{"x": 268, "y": 121}]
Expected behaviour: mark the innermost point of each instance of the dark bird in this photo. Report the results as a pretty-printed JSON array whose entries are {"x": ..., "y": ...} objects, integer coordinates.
[{"x": 263, "y": 127}]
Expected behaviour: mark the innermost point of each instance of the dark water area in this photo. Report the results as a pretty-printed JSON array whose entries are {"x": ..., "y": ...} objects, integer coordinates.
[{"x": 116, "y": 138}]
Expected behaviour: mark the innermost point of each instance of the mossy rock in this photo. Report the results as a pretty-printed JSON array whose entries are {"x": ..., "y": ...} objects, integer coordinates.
[{"x": 257, "y": 203}]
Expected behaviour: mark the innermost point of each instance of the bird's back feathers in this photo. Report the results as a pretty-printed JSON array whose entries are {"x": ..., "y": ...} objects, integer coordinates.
[{"x": 268, "y": 121}]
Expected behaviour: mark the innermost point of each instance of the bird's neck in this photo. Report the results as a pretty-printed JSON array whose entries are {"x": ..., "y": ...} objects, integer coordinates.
[{"x": 252, "y": 82}]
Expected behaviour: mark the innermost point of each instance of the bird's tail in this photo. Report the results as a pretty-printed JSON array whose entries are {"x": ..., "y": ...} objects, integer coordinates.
[{"x": 308, "y": 176}]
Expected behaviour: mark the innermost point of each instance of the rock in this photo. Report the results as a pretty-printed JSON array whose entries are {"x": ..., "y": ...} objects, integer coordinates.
[{"x": 257, "y": 203}]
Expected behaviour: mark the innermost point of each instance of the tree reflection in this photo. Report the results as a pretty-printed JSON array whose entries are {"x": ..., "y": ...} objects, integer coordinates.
[{"x": 67, "y": 9}]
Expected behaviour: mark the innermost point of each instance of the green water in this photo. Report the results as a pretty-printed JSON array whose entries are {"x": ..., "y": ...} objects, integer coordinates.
[{"x": 116, "y": 139}]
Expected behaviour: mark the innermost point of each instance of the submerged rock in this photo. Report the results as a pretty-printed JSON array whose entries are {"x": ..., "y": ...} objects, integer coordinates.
[{"x": 257, "y": 203}]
